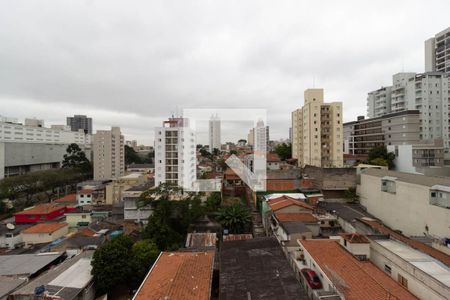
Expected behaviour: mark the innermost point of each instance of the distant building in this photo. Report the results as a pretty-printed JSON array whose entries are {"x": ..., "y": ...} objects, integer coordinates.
[
  {"x": 190, "y": 276},
  {"x": 396, "y": 198},
  {"x": 175, "y": 153},
  {"x": 114, "y": 190},
  {"x": 40, "y": 213},
  {"x": 398, "y": 128},
  {"x": 78, "y": 122},
  {"x": 132, "y": 208},
  {"x": 32, "y": 147},
  {"x": 214, "y": 133},
  {"x": 317, "y": 132},
  {"x": 109, "y": 157},
  {"x": 44, "y": 233},
  {"x": 436, "y": 52}
]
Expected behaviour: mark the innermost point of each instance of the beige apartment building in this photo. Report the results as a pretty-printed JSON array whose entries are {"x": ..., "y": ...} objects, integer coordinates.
[
  {"x": 109, "y": 156},
  {"x": 317, "y": 132}
]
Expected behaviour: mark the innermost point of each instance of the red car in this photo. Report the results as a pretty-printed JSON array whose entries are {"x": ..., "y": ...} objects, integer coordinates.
[{"x": 311, "y": 278}]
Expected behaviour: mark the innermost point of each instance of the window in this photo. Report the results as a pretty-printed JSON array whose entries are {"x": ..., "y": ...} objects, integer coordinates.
[
  {"x": 387, "y": 269},
  {"x": 403, "y": 281}
]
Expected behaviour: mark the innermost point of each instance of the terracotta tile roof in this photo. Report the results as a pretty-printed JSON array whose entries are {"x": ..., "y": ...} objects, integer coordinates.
[
  {"x": 42, "y": 209},
  {"x": 285, "y": 201},
  {"x": 295, "y": 217},
  {"x": 353, "y": 278},
  {"x": 86, "y": 232},
  {"x": 281, "y": 184},
  {"x": 85, "y": 191},
  {"x": 272, "y": 157},
  {"x": 229, "y": 174},
  {"x": 67, "y": 198},
  {"x": 355, "y": 238},
  {"x": 44, "y": 228},
  {"x": 441, "y": 256},
  {"x": 179, "y": 275}
]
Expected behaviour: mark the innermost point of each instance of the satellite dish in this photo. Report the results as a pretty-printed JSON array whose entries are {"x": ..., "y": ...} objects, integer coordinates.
[{"x": 10, "y": 226}]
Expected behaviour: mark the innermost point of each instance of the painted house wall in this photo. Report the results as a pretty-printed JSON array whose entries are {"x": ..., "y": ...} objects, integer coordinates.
[
  {"x": 74, "y": 218},
  {"x": 33, "y": 218},
  {"x": 40, "y": 238}
]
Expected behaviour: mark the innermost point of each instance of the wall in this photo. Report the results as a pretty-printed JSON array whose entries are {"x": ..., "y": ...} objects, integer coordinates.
[
  {"x": 73, "y": 218},
  {"x": 40, "y": 238},
  {"x": 33, "y": 218},
  {"x": 10, "y": 242},
  {"x": 419, "y": 283},
  {"x": 331, "y": 178},
  {"x": 410, "y": 202}
]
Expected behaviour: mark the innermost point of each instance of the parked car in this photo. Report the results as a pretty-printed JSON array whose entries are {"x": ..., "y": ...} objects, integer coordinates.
[{"x": 311, "y": 278}]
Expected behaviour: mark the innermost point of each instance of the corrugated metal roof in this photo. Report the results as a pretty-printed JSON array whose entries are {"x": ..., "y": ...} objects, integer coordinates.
[
  {"x": 77, "y": 276},
  {"x": 26, "y": 264}
]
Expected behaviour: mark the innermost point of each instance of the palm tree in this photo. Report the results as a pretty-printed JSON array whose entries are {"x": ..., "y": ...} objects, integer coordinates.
[{"x": 236, "y": 218}]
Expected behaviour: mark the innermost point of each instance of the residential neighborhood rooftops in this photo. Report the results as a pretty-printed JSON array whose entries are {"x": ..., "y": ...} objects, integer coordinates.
[
  {"x": 257, "y": 269},
  {"x": 9, "y": 284},
  {"x": 85, "y": 191},
  {"x": 294, "y": 227},
  {"x": 237, "y": 237},
  {"x": 295, "y": 217},
  {"x": 441, "y": 256},
  {"x": 272, "y": 157},
  {"x": 355, "y": 238},
  {"x": 353, "y": 278},
  {"x": 285, "y": 201},
  {"x": 179, "y": 275},
  {"x": 44, "y": 228},
  {"x": 26, "y": 264},
  {"x": 69, "y": 198},
  {"x": 201, "y": 240},
  {"x": 409, "y": 177},
  {"x": 41, "y": 209},
  {"x": 419, "y": 260}
]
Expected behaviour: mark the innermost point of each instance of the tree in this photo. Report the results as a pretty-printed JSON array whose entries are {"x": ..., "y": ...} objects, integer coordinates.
[
  {"x": 233, "y": 152},
  {"x": 242, "y": 141},
  {"x": 284, "y": 151},
  {"x": 213, "y": 201},
  {"x": 131, "y": 156},
  {"x": 236, "y": 218},
  {"x": 145, "y": 253},
  {"x": 75, "y": 158},
  {"x": 216, "y": 152},
  {"x": 112, "y": 265},
  {"x": 380, "y": 156},
  {"x": 351, "y": 195}
]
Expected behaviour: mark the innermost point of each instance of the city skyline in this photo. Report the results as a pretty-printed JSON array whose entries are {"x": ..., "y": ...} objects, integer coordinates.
[{"x": 134, "y": 76}]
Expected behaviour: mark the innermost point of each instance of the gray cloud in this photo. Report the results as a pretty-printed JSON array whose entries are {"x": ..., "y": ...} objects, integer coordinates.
[{"x": 132, "y": 64}]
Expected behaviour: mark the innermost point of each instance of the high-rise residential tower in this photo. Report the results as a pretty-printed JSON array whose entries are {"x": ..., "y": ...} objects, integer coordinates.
[
  {"x": 78, "y": 122},
  {"x": 437, "y": 52},
  {"x": 214, "y": 133},
  {"x": 175, "y": 160},
  {"x": 317, "y": 132},
  {"x": 109, "y": 156}
]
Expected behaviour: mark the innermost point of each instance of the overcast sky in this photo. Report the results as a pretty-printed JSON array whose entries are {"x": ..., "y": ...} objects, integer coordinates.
[{"x": 133, "y": 63}]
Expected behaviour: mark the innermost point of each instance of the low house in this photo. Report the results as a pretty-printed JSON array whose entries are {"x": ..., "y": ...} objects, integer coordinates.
[
  {"x": 311, "y": 222},
  {"x": 92, "y": 191},
  {"x": 132, "y": 209},
  {"x": 40, "y": 213},
  {"x": 114, "y": 190},
  {"x": 69, "y": 200},
  {"x": 75, "y": 244},
  {"x": 11, "y": 234},
  {"x": 44, "y": 233},
  {"x": 348, "y": 276},
  {"x": 179, "y": 275},
  {"x": 85, "y": 197},
  {"x": 201, "y": 240},
  {"x": 273, "y": 161},
  {"x": 232, "y": 184},
  {"x": 78, "y": 217},
  {"x": 256, "y": 269},
  {"x": 28, "y": 265}
]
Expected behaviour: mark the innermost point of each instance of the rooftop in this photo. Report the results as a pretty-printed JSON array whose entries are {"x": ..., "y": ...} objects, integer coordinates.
[
  {"x": 272, "y": 157},
  {"x": 201, "y": 240},
  {"x": 9, "y": 284},
  {"x": 179, "y": 275},
  {"x": 441, "y": 256},
  {"x": 44, "y": 228},
  {"x": 355, "y": 238},
  {"x": 353, "y": 278},
  {"x": 69, "y": 198},
  {"x": 419, "y": 260},
  {"x": 237, "y": 237},
  {"x": 257, "y": 269},
  {"x": 41, "y": 209},
  {"x": 135, "y": 175},
  {"x": 26, "y": 264},
  {"x": 409, "y": 177},
  {"x": 295, "y": 217},
  {"x": 285, "y": 201},
  {"x": 294, "y": 227}
]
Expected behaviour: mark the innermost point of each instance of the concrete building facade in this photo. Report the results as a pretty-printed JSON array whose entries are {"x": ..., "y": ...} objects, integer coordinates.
[
  {"x": 391, "y": 129},
  {"x": 175, "y": 160},
  {"x": 397, "y": 198},
  {"x": 109, "y": 156},
  {"x": 437, "y": 52},
  {"x": 80, "y": 122},
  {"x": 317, "y": 131}
]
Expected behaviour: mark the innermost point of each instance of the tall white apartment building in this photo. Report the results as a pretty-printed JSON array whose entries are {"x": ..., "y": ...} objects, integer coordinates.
[
  {"x": 437, "y": 52},
  {"x": 175, "y": 153},
  {"x": 214, "y": 133},
  {"x": 261, "y": 140},
  {"x": 427, "y": 92},
  {"x": 109, "y": 155},
  {"x": 317, "y": 132}
]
